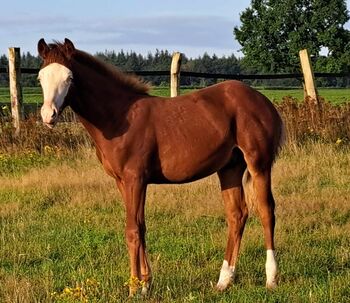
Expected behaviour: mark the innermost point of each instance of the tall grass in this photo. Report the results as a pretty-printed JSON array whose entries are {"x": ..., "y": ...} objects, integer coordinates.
[
  {"x": 325, "y": 122},
  {"x": 34, "y": 136}
]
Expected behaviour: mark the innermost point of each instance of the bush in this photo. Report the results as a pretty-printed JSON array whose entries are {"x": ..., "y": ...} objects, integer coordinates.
[
  {"x": 304, "y": 121},
  {"x": 34, "y": 136},
  {"x": 318, "y": 122}
]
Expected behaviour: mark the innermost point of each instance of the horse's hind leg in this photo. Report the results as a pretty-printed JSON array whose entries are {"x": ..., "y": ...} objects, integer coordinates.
[
  {"x": 266, "y": 206},
  {"x": 236, "y": 215}
]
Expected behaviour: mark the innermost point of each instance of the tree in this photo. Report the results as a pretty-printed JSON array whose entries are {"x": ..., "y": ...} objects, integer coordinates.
[
  {"x": 160, "y": 60},
  {"x": 273, "y": 31},
  {"x": 3, "y": 76}
]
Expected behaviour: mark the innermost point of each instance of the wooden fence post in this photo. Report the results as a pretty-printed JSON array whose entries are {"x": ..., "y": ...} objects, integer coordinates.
[
  {"x": 310, "y": 90},
  {"x": 15, "y": 87},
  {"x": 309, "y": 79},
  {"x": 175, "y": 74}
]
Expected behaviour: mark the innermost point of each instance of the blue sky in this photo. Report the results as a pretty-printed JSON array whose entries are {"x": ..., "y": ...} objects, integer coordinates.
[{"x": 192, "y": 27}]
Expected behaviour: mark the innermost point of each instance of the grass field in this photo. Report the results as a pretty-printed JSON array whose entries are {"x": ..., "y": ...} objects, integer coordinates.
[
  {"x": 333, "y": 95},
  {"x": 62, "y": 232}
]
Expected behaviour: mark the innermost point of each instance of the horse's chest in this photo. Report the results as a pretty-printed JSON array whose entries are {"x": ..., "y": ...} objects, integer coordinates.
[
  {"x": 108, "y": 161},
  {"x": 107, "y": 165}
]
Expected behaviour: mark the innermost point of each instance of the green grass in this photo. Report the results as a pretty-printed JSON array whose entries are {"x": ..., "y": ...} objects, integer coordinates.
[
  {"x": 32, "y": 95},
  {"x": 62, "y": 226},
  {"x": 333, "y": 95}
]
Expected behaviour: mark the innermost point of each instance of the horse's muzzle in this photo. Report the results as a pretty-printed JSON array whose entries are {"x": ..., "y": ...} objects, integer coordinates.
[{"x": 49, "y": 116}]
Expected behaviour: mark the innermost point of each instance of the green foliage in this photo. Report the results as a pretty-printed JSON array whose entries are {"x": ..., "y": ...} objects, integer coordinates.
[
  {"x": 27, "y": 61},
  {"x": 4, "y": 79},
  {"x": 161, "y": 61},
  {"x": 131, "y": 61},
  {"x": 273, "y": 32}
]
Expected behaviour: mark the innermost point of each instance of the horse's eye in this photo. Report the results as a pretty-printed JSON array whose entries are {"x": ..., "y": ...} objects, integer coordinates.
[{"x": 69, "y": 80}]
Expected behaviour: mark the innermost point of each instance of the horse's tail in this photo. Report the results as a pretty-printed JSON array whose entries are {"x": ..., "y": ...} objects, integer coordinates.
[{"x": 248, "y": 189}]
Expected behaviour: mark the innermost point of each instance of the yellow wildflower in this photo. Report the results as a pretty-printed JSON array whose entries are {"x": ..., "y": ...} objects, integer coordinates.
[{"x": 134, "y": 282}]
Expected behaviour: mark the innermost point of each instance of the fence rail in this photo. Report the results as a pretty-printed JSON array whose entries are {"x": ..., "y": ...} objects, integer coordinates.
[
  {"x": 24, "y": 70},
  {"x": 174, "y": 74}
]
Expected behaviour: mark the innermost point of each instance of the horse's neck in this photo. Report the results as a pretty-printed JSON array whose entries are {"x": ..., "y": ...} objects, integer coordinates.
[{"x": 99, "y": 98}]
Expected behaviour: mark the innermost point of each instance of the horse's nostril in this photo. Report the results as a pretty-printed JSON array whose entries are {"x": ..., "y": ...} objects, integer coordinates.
[{"x": 54, "y": 114}]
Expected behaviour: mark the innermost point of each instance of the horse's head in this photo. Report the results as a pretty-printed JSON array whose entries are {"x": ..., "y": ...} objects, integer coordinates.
[{"x": 55, "y": 77}]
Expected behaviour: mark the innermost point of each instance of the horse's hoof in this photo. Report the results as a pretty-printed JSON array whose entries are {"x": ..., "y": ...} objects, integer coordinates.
[
  {"x": 221, "y": 286},
  {"x": 271, "y": 284},
  {"x": 132, "y": 291},
  {"x": 145, "y": 289}
]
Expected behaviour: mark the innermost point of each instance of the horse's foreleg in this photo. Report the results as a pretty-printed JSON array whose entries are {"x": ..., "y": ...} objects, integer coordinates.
[
  {"x": 146, "y": 275},
  {"x": 266, "y": 207},
  {"x": 134, "y": 192},
  {"x": 236, "y": 215}
]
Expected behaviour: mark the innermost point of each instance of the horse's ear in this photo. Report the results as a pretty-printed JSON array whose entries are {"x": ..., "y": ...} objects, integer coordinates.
[
  {"x": 43, "y": 48},
  {"x": 70, "y": 48}
]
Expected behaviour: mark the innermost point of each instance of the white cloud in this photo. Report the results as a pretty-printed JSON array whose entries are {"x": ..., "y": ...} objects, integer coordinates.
[
  {"x": 203, "y": 31},
  {"x": 198, "y": 32}
]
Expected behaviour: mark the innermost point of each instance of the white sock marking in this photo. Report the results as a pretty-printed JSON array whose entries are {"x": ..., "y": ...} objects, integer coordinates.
[
  {"x": 226, "y": 275},
  {"x": 271, "y": 269}
]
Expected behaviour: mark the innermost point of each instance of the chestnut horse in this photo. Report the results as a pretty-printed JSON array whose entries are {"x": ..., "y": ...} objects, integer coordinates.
[{"x": 228, "y": 128}]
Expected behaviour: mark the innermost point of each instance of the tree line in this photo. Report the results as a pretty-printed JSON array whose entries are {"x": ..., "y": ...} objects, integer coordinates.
[{"x": 160, "y": 60}]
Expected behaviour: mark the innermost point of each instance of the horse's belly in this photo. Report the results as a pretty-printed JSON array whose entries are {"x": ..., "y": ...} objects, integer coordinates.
[{"x": 195, "y": 163}]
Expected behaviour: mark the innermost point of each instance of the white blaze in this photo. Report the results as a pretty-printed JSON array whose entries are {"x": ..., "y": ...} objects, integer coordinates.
[{"x": 55, "y": 80}]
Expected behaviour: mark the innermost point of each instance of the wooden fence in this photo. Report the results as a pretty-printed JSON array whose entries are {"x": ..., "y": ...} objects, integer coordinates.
[{"x": 15, "y": 71}]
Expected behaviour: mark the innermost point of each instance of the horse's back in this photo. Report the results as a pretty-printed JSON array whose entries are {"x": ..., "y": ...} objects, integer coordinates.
[
  {"x": 238, "y": 103},
  {"x": 235, "y": 95}
]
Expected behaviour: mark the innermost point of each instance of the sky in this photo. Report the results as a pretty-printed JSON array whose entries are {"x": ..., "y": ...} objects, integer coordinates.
[{"x": 189, "y": 26}]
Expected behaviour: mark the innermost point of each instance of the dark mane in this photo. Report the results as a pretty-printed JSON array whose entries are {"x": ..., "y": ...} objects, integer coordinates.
[
  {"x": 127, "y": 81},
  {"x": 58, "y": 53}
]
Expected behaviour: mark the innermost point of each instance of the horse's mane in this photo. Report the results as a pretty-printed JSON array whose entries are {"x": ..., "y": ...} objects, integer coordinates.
[{"x": 58, "y": 53}]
